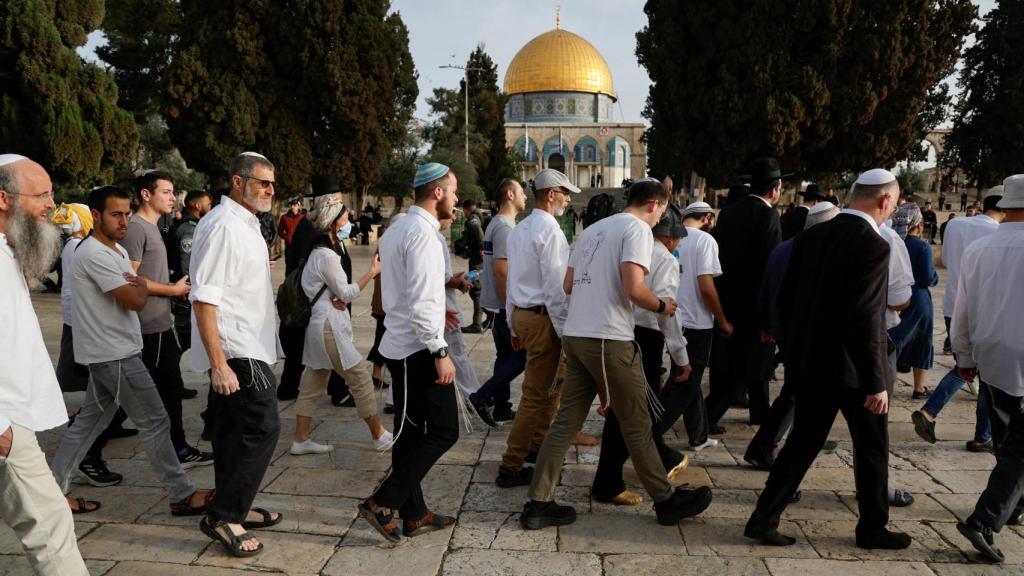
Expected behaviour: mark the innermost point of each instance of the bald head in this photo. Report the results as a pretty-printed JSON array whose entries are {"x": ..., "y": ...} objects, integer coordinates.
[{"x": 26, "y": 201}]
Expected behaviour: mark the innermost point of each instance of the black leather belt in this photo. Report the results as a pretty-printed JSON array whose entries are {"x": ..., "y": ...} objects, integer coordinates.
[{"x": 538, "y": 309}]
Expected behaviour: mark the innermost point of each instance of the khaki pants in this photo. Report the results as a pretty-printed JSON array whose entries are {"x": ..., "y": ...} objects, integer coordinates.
[
  {"x": 591, "y": 365},
  {"x": 32, "y": 504},
  {"x": 541, "y": 386},
  {"x": 358, "y": 378}
]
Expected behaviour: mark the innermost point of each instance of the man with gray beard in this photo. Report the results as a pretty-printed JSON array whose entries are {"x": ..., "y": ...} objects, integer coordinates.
[{"x": 31, "y": 503}]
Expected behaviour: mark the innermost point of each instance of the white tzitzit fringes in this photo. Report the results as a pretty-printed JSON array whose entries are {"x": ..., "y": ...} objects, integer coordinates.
[
  {"x": 460, "y": 403},
  {"x": 657, "y": 409},
  {"x": 553, "y": 389},
  {"x": 604, "y": 376}
]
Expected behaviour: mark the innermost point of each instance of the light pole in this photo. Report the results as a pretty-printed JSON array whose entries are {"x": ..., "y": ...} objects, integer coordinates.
[{"x": 465, "y": 75}]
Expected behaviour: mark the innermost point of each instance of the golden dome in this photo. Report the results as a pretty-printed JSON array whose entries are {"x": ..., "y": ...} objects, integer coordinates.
[{"x": 559, "y": 61}]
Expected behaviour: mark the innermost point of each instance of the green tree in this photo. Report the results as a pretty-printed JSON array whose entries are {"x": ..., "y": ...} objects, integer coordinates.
[
  {"x": 826, "y": 86},
  {"x": 987, "y": 137},
  {"x": 912, "y": 180},
  {"x": 399, "y": 167},
  {"x": 54, "y": 107}
]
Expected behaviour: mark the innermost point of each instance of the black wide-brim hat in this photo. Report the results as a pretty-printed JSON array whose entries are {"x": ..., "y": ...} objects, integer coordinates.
[
  {"x": 814, "y": 193},
  {"x": 325, "y": 184},
  {"x": 764, "y": 170}
]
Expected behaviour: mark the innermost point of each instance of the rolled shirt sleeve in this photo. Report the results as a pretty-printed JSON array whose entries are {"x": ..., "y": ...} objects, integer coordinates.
[{"x": 427, "y": 324}]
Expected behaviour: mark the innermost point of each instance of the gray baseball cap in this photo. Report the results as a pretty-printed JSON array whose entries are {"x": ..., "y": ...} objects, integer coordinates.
[{"x": 551, "y": 178}]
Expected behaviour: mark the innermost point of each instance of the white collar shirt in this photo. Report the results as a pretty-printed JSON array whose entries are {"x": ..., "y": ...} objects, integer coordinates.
[
  {"x": 901, "y": 275},
  {"x": 412, "y": 284},
  {"x": 664, "y": 283},
  {"x": 538, "y": 255},
  {"x": 29, "y": 394},
  {"x": 960, "y": 233},
  {"x": 987, "y": 331},
  {"x": 864, "y": 215},
  {"x": 763, "y": 199},
  {"x": 230, "y": 269}
]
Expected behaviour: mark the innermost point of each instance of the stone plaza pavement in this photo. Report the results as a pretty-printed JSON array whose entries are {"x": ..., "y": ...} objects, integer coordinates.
[{"x": 134, "y": 533}]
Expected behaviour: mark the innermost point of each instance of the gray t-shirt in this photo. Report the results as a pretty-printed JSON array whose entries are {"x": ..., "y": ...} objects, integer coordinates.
[
  {"x": 104, "y": 330},
  {"x": 144, "y": 244},
  {"x": 495, "y": 248}
]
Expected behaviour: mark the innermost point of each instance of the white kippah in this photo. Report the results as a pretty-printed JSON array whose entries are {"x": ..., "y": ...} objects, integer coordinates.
[
  {"x": 6, "y": 159},
  {"x": 875, "y": 177},
  {"x": 256, "y": 154},
  {"x": 993, "y": 191},
  {"x": 819, "y": 208},
  {"x": 697, "y": 208}
]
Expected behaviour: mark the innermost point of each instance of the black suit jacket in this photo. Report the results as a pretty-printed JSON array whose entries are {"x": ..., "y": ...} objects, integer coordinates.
[
  {"x": 793, "y": 222},
  {"x": 747, "y": 232},
  {"x": 833, "y": 306}
]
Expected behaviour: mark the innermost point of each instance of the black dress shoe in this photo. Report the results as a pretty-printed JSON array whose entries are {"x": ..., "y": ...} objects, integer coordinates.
[
  {"x": 683, "y": 503},
  {"x": 924, "y": 427},
  {"x": 473, "y": 329},
  {"x": 122, "y": 432},
  {"x": 510, "y": 479},
  {"x": 188, "y": 393},
  {"x": 715, "y": 430},
  {"x": 482, "y": 411},
  {"x": 759, "y": 461},
  {"x": 346, "y": 401},
  {"x": 283, "y": 394},
  {"x": 883, "y": 539},
  {"x": 796, "y": 497},
  {"x": 537, "y": 515},
  {"x": 770, "y": 538},
  {"x": 982, "y": 540}
]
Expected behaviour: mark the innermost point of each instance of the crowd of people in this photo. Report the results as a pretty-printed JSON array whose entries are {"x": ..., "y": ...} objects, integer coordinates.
[{"x": 840, "y": 296}]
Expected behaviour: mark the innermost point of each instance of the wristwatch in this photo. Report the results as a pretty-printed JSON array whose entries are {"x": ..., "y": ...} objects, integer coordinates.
[
  {"x": 661, "y": 306},
  {"x": 441, "y": 352}
]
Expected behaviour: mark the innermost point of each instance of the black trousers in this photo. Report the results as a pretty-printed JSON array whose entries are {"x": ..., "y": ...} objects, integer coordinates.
[
  {"x": 685, "y": 398},
  {"x": 244, "y": 431},
  {"x": 378, "y": 334},
  {"x": 293, "y": 342},
  {"x": 738, "y": 362},
  {"x": 775, "y": 425},
  {"x": 431, "y": 428},
  {"x": 162, "y": 357},
  {"x": 1002, "y": 495},
  {"x": 816, "y": 410}
]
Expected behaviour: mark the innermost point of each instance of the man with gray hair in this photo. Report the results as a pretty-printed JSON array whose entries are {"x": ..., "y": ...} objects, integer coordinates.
[
  {"x": 233, "y": 317},
  {"x": 31, "y": 503}
]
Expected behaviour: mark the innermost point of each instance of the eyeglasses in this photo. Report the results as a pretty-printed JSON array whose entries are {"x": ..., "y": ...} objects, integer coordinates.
[
  {"x": 41, "y": 196},
  {"x": 264, "y": 184}
]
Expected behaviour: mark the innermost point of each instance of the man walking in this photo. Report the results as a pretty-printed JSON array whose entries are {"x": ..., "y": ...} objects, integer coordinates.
[
  {"x": 197, "y": 204},
  {"x": 792, "y": 222},
  {"x": 474, "y": 231},
  {"x": 31, "y": 503},
  {"x": 838, "y": 361}
]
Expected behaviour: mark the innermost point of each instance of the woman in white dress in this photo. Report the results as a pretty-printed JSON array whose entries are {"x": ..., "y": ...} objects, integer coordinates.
[{"x": 329, "y": 342}]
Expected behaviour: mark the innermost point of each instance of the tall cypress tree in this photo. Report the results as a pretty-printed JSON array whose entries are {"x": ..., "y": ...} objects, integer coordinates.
[
  {"x": 54, "y": 107},
  {"x": 987, "y": 137},
  {"x": 827, "y": 85}
]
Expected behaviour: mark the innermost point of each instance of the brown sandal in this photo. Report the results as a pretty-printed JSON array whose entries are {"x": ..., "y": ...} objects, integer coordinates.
[
  {"x": 382, "y": 522},
  {"x": 185, "y": 507},
  {"x": 82, "y": 503},
  {"x": 429, "y": 523}
]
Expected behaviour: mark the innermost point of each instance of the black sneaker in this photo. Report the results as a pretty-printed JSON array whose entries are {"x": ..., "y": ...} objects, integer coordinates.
[
  {"x": 345, "y": 401},
  {"x": 506, "y": 416},
  {"x": 188, "y": 393},
  {"x": 509, "y": 479},
  {"x": 537, "y": 515},
  {"x": 981, "y": 538},
  {"x": 473, "y": 329},
  {"x": 532, "y": 457},
  {"x": 122, "y": 432},
  {"x": 190, "y": 457},
  {"x": 979, "y": 446},
  {"x": 95, "y": 472},
  {"x": 482, "y": 411},
  {"x": 683, "y": 503}
]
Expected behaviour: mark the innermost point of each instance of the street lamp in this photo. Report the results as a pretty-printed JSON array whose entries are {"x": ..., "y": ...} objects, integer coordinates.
[{"x": 465, "y": 74}]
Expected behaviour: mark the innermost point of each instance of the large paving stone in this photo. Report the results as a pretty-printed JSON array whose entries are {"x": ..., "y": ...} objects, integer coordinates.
[
  {"x": 963, "y": 481},
  {"x": 143, "y": 542},
  {"x": 445, "y": 487},
  {"x": 916, "y": 481},
  {"x": 924, "y": 508},
  {"x": 292, "y": 553},
  {"x": 835, "y": 540},
  {"x": 160, "y": 569},
  {"x": 121, "y": 503},
  {"x": 1007, "y": 540},
  {"x": 470, "y": 562},
  {"x": 737, "y": 478},
  {"x": 947, "y": 456},
  {"x": 511, "y": 536},
  {"x": 959, "y": 505},
  {"x": 816, "y": 505},
  {"x": 976, "y": 570},
  {"x": 724, "y": 537},
  {"x": 367, "y": 554},
  {"x": 801, "y": 567},
  {"x": 478, "y": 529},
  {"x": 490, "y": 498},
  {"x": 19, "y": 566},
  {"x": 655, "y": 565},
  {"x": 609, "y": 534},
  {"x": 317, "y": 482}
]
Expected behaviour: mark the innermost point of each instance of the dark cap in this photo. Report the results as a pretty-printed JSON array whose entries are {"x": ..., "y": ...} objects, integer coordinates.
[
  {"x": 671, "y": 223},
  {"x": 813, "y": 193},
  {"x": 764, "y": 170},
  {"x": 325, "y": 184}
]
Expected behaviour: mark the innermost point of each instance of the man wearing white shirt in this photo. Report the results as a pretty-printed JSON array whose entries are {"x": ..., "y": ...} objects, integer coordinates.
[
  {"x": 606, "y": 279},
  {"x": 31, "y": 503},
  {"x": 537, "y": 307},
  {"x": 988, "y": 338},
  {"x": 426, "y": 413},
  {"x": 960, "y": 233},
  {"x": 233, "y": 316}
]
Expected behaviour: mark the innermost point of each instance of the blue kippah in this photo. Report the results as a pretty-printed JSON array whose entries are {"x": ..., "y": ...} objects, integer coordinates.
[{"x": 428, "y": 173}]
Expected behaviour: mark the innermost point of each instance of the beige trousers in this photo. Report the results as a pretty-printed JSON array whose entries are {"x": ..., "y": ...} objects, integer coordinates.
[
  {"x": 32, "y": 504},
  {"x": 358, "y": 378}
]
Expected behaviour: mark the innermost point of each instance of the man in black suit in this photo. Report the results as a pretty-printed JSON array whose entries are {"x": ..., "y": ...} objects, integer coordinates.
[
  {"x": 747, "y": 231},
  {"x": 794, "y": 220},
  {"x": 838, "y": 358}
]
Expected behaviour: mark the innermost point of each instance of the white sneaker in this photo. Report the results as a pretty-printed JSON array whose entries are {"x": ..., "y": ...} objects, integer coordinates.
[
  {"x": 384, "y": 443},
  {"x": 709, "y": 443},
  {"x": 309, "y": 447},
  {"x": 973, "y": 387}
]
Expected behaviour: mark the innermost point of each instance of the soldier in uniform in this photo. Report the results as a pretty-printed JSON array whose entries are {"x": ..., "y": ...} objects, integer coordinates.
[{"x": 197, "y": 204}]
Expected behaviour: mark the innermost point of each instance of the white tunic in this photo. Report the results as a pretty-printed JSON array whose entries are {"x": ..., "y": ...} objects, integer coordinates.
[
  {"x": 538, "y": 256},
  {"x": 901, "y": 275},
  {"x": 664, "y": 283},
  {"x": 960, "y": 233},
  {"x": 323, "y": 268}
]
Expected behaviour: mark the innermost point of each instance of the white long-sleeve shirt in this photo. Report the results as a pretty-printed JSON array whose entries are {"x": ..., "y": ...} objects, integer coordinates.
[
  {"x": 901, "y": 275},
  {"x": 664, "y": 282},
  {"x": 412, "y": 281},
  {"x": 538, "y": 255},
  {"x": 323, "y": 270},
  {"x": 29, "y": 394},
  {"x": 987, "y": 332},
  {"x": 960, "y": 233},
  {"x": 230, "y": 269}
]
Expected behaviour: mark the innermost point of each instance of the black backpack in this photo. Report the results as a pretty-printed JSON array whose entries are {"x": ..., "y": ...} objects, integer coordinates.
[
  {"x": 293, "y": 306},
  {"x": 598, "y": 208}
]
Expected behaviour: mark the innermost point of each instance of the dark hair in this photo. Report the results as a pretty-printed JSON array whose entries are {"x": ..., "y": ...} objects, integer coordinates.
[
  {"x": 642, "y": 192},
  {"x": 762, "y": 187},
  {"x": 147, "y": 181},
  {"x": 506, "y": 185},
  {"x": 98, "y": 197},
  {"x": 468, "y": 204},
  {"x": 990, "y": 203},
  {"x": 196, "y": 196},
  {"x": 443, "y": 183}
]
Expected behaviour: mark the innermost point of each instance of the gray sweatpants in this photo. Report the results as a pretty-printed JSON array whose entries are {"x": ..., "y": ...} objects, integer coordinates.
[{"x": 126, "y": 383}]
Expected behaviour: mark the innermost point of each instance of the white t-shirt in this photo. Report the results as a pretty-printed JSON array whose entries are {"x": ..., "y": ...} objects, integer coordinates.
[
  {"x": 598, "y": 307},
  {"x": 104, "y": 329},
  {"x": 698, "y": 256},
  {"x": 67, "y": 258}
]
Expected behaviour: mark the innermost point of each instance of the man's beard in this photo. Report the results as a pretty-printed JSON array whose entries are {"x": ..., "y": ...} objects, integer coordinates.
[
  {"x": 36, "y": 245},
  {"x": 559, "y": 211},
  {"x": 260, "y": 204},
  {"x": 445, "y": 211}
]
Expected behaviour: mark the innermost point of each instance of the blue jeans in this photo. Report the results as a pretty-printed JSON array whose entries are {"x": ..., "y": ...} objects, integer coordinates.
[
  {"x": 507, "y": 366},
  {"x": 944, "y": 392}
]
